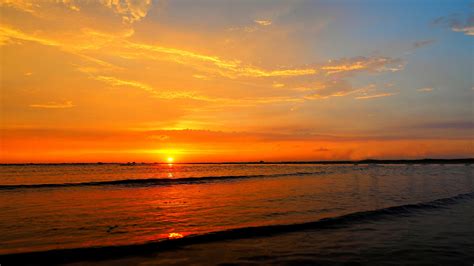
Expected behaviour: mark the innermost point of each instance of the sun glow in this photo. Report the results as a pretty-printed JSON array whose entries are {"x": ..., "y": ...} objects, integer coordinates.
[{"x": 170, "y": 159}]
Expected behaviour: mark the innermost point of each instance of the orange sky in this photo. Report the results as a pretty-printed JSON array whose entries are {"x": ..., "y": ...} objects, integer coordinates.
[{"x": 229, "y": 81}]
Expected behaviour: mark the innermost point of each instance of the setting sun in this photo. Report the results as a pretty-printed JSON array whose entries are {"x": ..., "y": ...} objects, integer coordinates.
[{"x": 170, "y": 159}]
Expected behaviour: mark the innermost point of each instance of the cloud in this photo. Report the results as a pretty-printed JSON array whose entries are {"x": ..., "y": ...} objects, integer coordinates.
[
  {"x": 331, "y": 88},
  {"x": 447, "y": 125},
  {"x": 173, "y": 95},
  {"x": 168, "y": 95},
  {"x": 7, "y": 34},
  {"x": 340, "y": 88},
  {"x": 201, "y": 77},
  {"x": 375, "y": 96},
  {"x": 426, "y": 89},
  {"x": 361, "y": 63},
  {"x": 53, "y": 105},
  {"x": 24, "y": 5},
  {"x": 130, "y": 10},
  {"x": 278, "y": 85},
  {"x": 160, "y": 137},
  {"x": 321, "y": 149},
  {"x": 123, "y": 45},
  {"x": 263, "y": 22},
  {"x": 225, "y": 67},
  {"x": 230, "y": 67},
  {"x": 468, "y": 30},
  {"x": 457, "y": 23},
  {"x": 419, "y": 44},
  {"x": 252, "y": 28},
  {"x": 120, "y": 82},
  {"x": 10, "y": 35}
]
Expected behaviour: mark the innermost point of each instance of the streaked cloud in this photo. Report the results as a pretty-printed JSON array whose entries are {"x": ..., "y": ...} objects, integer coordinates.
[
  {"x": 176, "y": 94},
  {"x": 341, "y": 88},
  {"x": 263, "y": 22},
  {"x": 278, "y": 85},
  {"x": 53, "y": 105},
  {"x": 361, "y": 63},
  {"x": 202, "y": 77},
  {"x": 333, "y": 88},
  {"x": 169, "y": 95},
  {"x": 9, "y": 34},
  {"x": 375, "y": 96},
  {"x": 191, "y": 145},
  {"x": 425, "y": 89},
  {"x": 231, "y": 68},
  {"x": 447, "y": 125}
]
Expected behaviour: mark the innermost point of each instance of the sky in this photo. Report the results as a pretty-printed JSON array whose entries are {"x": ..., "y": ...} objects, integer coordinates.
[{"x": 213, "y": 81}]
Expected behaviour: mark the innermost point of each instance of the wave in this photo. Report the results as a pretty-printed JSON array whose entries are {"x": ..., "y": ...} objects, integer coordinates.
[
  {"x": 113, "y": 252},
  {"x": 153, "y": 181}
]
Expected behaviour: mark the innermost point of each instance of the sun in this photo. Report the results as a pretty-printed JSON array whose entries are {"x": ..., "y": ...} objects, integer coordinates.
[{"x": 170, "y": 159}]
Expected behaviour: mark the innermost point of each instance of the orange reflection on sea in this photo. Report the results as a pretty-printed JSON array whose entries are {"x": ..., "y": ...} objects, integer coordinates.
[{"x": 175, "y": 235}]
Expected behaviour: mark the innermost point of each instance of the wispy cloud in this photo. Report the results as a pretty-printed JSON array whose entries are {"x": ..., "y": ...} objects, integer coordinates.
[
  {"x": 419, "y": 44},
  {"x": 11, "y": 35},
  {"x": 201, "y": 77},
  {"x": 53, "y": 105},
  {"x": 24, "y": 5},
  {"x": 447, "y": 125},
  {"x": 169, "y": 95},
  {"x": 341, "y": 88},
  {"x": 129, "y": 10},
  {"x": 120, "y": 82},
  {"x": 333, "y": 88},
  {"x": 361, "y": 63},
  {"x": 8, "y": 34},
  {"x": 263, "y": 22},
  {"x": 458, "y": 23},
  {"x": 278, "y": 85},
  {"x": 192, "y": 95},
  {"x": 375, "y": 96},
  {"x": 426, "y": 89},
  {"x": 232, "y": 67}
]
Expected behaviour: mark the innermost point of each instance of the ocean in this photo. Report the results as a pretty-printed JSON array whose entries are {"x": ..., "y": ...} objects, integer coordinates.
[{"x": 285, "y": 214}]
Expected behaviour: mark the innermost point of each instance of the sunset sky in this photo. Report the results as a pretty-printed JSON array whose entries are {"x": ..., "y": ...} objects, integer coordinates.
[{"x": 130, "y": 80}]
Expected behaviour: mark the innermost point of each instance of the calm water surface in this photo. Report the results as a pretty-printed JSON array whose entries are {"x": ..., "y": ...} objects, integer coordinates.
[{"x": 48, "y": 207}]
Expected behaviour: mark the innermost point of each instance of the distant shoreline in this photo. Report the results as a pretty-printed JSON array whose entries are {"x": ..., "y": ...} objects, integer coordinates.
[{"x": 367, "y": 161}]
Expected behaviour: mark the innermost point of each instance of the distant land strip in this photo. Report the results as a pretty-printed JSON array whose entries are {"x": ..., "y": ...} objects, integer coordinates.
[{"x": 367, "y": 161}]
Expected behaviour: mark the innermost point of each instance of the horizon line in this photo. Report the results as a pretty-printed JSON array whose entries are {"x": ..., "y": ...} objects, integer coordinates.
[{"x": 384, "y": 161}]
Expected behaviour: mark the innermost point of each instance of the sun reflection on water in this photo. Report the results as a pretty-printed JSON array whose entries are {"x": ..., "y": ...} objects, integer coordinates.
[{"x": 174, "y": 235}]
